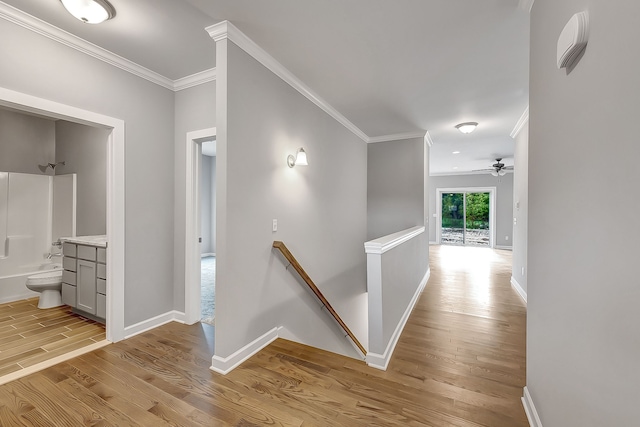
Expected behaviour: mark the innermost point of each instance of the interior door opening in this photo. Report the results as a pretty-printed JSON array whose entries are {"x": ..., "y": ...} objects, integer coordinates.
[{"x": 207, "y": 195}]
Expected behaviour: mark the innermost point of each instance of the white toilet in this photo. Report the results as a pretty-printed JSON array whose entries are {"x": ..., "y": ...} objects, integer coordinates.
[{"x": 49, "y": 284}]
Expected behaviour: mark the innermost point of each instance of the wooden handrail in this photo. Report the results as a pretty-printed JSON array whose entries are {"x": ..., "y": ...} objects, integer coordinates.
[{"x": 292, "y": 260}]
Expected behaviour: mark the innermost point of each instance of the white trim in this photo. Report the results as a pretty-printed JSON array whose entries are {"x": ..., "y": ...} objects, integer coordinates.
[
  {"x": 38, "y": 26},
  {"x": 154, "y": 322},
  {"x": 523, "y": 120},
  {"x": 14, "y": 298},
  {"x": 381, "y": 361},
  {"x": 209, "y": 254},
  {"x": 115, "y": 192},
  {"x": 224, "y": 365},
  {"x": 192, "y": 255},
  {"x": 51, "y": 362},
  {"x": 395, "y": 137},
  {"x": 464, "y": 173},
  {"x": 504, "y": 247},
  {"x": 431, "y": 243},
  {"x": 518, "y": 288},
  {"x": 195, "y": 79},
  {"x": 530, "y": 409},
  {"x": 428, "y": 139},
  {"x": 526, "y": 5},
  {"x": 386, "y": 243},
  {"x": 492, "y": 209},
  {"x": 226, "y": 30},
  {"x": 16, "y": 16}
]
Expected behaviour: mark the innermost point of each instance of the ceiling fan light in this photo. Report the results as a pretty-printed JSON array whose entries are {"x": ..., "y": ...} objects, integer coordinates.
[
  {"x": 502, "y": 172},
  {"x": 467, "y": 127},
  {"x": 90, "y": 11},
  {"x": 494, "y": 173}
]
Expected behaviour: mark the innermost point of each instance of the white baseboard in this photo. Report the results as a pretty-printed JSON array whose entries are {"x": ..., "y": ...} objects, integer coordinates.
[
  {"x": 154, "y": 322},
  {"x": 207, "y": 255},
  {"x": 381, "y": 361},
  {"x": 14, "y": 298},
  {"x": 518, "y": 288},
  {"x": 433, "y": 243},
  {"x": 530, "y": 409},
  {"x": 224, "y": 365},
  {"x": 507, "y": 248}
]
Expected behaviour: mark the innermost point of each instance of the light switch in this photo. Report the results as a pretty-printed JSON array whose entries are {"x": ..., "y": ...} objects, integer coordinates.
[{"x": 275, "y": 225}]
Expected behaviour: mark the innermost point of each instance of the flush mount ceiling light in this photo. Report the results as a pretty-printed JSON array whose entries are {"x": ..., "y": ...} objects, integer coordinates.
[
  {"x": 467, "y": 127},
  {"x": 90, "y": 11},
  {"x": 299, "y": 159}
]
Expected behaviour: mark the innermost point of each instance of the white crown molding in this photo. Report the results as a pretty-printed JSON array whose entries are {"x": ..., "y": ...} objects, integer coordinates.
[
  {"x": 38, "y": 26},
  {"x": 226, "y": 30},
  {"x": 195, "y": 79},
  {"x": 427, "y": 137},
  {"x": 18, "y": 17},
  {"x": 395, "y": 137},
  {"x": 464, "y": 173},
  {"x": 526, "y": 5},
  {"x": 523, "y": 120}
]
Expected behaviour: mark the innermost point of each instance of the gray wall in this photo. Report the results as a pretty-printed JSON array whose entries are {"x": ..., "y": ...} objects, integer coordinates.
[
  {"x": 27, "y": 143},
  {"x": 321, "y": 211},
  {"x": 84, "y": 151},
  {"x": 208, "y": 205},
  {"x": 195, "y": 109},
  {"x": 582, "y": 326},
  {"x": 50, "y": 70},
  {"x": 504, "y": 201},
  {"x": 395, "y": 186},
  {"x": 521, "y": 207}
]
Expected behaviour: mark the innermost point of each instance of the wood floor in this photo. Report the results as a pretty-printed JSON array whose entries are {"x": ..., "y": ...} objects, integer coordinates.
[
  {"x": 29, "y": 335},
  {"x": 459, "y": 362}
]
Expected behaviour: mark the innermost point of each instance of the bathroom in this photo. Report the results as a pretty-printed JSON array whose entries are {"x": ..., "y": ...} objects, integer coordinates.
[{"x": 53, "y": 184}]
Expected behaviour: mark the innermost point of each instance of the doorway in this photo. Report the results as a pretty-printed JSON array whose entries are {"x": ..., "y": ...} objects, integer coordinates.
[
  {"x": 193, "y": 309},
  {"x": 466, "y": 216},
  {"x": 207, "y": 239}
]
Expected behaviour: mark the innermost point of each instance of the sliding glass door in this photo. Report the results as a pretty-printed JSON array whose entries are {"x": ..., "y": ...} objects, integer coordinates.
[{"x": 465, "y": 219}]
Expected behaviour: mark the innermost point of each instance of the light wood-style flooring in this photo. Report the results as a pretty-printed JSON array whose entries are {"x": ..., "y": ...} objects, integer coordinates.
[
  {"x": 460, "y": 362},
  {"x": 29, "y": 335}
]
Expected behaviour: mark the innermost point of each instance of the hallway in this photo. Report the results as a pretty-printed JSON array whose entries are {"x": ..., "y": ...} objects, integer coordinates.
[{"x": 460, "y": 362}]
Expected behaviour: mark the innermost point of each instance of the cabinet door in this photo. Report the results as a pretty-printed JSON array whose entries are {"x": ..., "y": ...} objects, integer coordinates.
[{"x": 86, "y": 286}]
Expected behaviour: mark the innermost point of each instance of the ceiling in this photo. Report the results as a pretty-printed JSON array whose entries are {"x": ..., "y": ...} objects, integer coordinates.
[{"x": 390, "y": 67}]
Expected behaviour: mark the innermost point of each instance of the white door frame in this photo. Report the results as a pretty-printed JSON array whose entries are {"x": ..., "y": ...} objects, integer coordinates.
[
  {"x": 192, "y": 219},
  {"x": 492, "y": 209},
  {"x": 115, "y": 192}
]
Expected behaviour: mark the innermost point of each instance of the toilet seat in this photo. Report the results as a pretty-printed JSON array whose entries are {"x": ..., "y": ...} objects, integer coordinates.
[{"x": 46, "y": 278}]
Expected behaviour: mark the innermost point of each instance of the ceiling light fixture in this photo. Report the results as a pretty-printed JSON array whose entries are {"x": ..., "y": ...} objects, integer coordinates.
[
  {"x": 90, "y": 11},
  {"x": 467, "y": 127},
  {"x": 455, "y": 152},
  {"x": 299, "y": 159}
]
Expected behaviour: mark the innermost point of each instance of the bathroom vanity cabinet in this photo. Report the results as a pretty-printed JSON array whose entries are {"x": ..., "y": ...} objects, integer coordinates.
[{"x": 84, "y": 279}]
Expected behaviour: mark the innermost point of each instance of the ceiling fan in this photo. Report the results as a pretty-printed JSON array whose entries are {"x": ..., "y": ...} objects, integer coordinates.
[{"x": 498, "y": 168}]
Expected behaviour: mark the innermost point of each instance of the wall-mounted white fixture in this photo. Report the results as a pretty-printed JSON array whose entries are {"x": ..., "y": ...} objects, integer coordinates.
[
  {"x": 573, "y": 39},
  {"x": 90, "y": 11},
  {"x": 299, "y": 159},
  {"x": 467, "y": 127}
]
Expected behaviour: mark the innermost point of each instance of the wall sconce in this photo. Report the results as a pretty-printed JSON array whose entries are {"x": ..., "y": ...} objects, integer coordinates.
[{"x": 299, "y": 159}]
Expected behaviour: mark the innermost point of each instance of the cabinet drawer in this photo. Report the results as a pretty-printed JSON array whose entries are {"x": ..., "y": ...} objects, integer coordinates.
[
  {"x": 69, "y": 249},
  {"x": 102, "y": 255},
  {"x": 68, "y": 294},
  {"x": 101, "y": 306},
  {"x": 69, "y": 277},
  {"x": 101, "y": 286},
  {"x": 101, "y": 271},
  {"x": 87, "y": 252},
  {"x": 69, "y": 263}
]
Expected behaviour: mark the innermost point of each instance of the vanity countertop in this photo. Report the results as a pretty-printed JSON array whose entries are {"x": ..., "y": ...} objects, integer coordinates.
[{"x": 99, "y": 241}]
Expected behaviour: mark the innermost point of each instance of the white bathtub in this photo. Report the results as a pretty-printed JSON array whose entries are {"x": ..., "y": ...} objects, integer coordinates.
[{"x": 13, "y": 286}]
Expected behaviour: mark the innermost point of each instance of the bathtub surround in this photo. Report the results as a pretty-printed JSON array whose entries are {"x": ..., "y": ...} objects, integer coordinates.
[{"x": 27, "y": 205}]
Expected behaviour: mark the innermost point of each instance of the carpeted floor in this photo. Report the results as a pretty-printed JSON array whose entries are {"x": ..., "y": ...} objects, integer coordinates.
[{"x": 208, "y": 290}]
